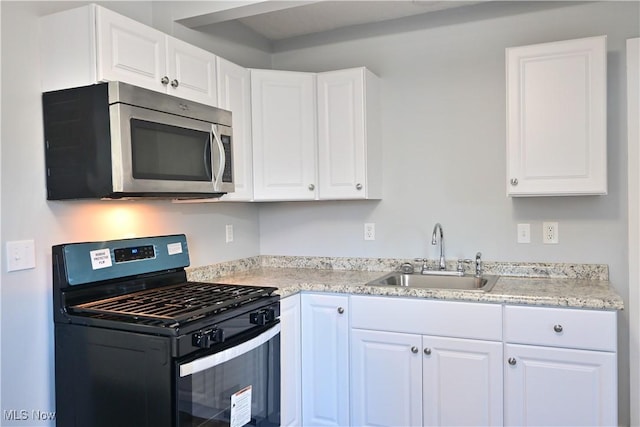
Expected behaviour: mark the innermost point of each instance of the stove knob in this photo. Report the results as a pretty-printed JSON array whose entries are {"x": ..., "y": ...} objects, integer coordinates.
[
  {"x": 271, "y": 315},
  {"x": 258, "y": 318},
  {"x": 206, "y": 339},
  {"x": 201, "y": 340}
]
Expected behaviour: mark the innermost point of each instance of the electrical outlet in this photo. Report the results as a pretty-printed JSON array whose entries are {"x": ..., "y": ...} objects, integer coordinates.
[
  {"x": 550, "y": 232},
  {"x": 524, "y": 233},
  {"x": 369, "y": 231},
  {"x": 229, "y": 233}
]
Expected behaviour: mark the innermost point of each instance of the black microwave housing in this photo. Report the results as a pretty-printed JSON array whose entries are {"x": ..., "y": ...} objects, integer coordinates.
[{"x": 77, "y": 143}]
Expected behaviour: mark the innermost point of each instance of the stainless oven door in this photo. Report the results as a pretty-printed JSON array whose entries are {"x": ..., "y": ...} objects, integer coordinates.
[
  {"x": 156, "y": 152},
  {"x": 236, "y": 386}
]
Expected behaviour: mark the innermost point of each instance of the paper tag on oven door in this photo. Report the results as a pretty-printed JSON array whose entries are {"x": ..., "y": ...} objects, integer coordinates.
[
  {"x": 240, "y": 407},
  {"x": 100, "y": 258}
]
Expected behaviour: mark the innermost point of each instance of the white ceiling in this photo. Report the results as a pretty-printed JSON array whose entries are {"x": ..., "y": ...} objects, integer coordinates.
[{"x": 278, "y": 20}]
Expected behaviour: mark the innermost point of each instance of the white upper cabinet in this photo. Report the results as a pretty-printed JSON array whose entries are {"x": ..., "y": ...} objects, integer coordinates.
[
  {"x": 284, "y": 135},
  {"x": 315, "y": 136},
  {"x": 349, "y": 143},
  {"x": 191, "y": 72},
  {"x": 234, "y": 94},
  {"x": 556, "y": 118},
  {"x": 90, "y": 44}
]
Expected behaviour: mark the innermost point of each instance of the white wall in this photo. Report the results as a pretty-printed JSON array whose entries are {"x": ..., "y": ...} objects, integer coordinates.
[
  {"x": 633, "y": 90},
  {"x": 25, "y": 296},
  {"x": 443, "y": 130}
]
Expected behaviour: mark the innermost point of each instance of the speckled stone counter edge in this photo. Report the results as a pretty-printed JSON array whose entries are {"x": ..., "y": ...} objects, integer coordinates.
[{"x": 510, "y": 269}]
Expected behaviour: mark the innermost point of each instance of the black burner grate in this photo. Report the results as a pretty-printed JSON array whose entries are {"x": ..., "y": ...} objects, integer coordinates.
[{"x": 176, "y": 303}]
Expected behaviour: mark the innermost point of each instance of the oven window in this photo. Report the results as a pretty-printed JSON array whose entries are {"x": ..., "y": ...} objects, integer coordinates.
[
  {"x": 238, "y": 390},
  {"x": 164, "y": 152}
]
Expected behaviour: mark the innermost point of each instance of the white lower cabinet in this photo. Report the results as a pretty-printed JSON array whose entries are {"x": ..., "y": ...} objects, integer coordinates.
[
  {"x": 325, "y": 360},
  {"x": 386, "y": 382},
  {"x": 402, "y": 377},
  {"x": 548, "y": 386},
  {"x": 290, "y": 362},
  {"x": 365, "y": 360},
  {"x": 461, "y": 382},
  {"x": 560, "y": 367}
]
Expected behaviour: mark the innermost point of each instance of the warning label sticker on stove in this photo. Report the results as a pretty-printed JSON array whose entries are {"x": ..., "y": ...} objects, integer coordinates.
[
  {"x": 240, "y": 407},
  {"x": 100, "y": 258},
  {"x": 174, "y": 248}
]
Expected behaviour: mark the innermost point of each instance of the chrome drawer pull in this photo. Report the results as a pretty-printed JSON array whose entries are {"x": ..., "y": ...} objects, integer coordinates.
[{"x": 557, "y": 328}]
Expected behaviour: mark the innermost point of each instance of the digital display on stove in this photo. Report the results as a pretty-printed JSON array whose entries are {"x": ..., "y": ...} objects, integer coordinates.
[{"x": 134, "y": 253}]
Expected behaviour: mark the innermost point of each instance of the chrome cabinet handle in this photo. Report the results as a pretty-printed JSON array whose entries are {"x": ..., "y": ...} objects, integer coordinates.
[
  {"x": 164, "y": 80},
  {"x": 514, "y": 181},
  {"x": 512, "y": 361},
  {"x": 340, "y": 310},
  {"x": 557, "y": 328},
  {"x": 358, "y": 186},
  {"x": 312, "y": 187},
  {"x": 174, "y": 83},
  {"x": 414, "y": 349},
  {"x": 427, "y": 351}
]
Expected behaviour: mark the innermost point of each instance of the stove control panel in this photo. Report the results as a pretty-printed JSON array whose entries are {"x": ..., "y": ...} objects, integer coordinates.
[
  {"x": 91, "y": 262},
  {"x": 134, "y": 253}
]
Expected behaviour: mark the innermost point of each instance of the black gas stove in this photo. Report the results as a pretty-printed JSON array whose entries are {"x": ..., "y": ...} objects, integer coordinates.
[{"x": 132, "y": 337}]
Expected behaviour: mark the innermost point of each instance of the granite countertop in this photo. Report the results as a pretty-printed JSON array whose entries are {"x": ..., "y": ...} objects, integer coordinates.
[{"x": 576, "y": 292}]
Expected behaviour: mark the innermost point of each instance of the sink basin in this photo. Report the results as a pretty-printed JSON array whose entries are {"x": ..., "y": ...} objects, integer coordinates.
[{"x": 416, "y": 280}]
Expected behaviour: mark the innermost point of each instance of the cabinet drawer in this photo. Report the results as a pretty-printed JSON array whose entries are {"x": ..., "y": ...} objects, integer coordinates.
[
  {"x": 561, "y": 327},
  {"x": 427, "y": 317}
]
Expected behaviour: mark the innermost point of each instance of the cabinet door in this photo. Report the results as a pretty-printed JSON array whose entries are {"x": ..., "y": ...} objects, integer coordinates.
[
  {"x": 284, "y": 135},
  {"x": 386, "y": 381},
  {"x": 556, "y": 386},
  {"x": 191, "y": 72},
  {"x": 325, "y": 355},
  {"x": 344, "y": 152},
  {"x": 462, "y": 382},
  {"x": 556, "y": 103},
  {"x": 129, "y": 51},
  {"x": 290, "y": 366},
  {"x": 234, "y": 94}
]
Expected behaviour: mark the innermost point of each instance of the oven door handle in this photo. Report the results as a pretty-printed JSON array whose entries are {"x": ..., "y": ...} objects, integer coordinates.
[{"x": 212, "y": 360}]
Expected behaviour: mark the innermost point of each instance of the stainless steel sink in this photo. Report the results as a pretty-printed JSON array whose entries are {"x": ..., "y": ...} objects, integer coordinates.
[{"x": 417, "y": 280}]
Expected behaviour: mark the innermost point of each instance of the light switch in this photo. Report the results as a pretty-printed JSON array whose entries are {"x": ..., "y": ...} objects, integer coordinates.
[{"x": 21, "y": 255}]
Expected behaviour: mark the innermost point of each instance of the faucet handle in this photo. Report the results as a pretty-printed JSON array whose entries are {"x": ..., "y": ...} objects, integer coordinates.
[
  {"x": 425, "y": 267},
  {"x": 460, "y": 266}
]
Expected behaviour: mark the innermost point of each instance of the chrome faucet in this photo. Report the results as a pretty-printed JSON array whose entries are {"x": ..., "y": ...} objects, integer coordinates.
[{"x": 442, "y": 264}]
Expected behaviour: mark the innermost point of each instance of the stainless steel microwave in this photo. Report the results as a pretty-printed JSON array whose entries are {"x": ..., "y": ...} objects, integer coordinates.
[{"x": 114, "y": 140}]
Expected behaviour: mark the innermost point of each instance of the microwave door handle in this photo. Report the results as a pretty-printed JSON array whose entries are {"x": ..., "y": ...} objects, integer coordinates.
[
  {"x": 208, "y": 158},
  {"x": 221, "y": 164}
]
